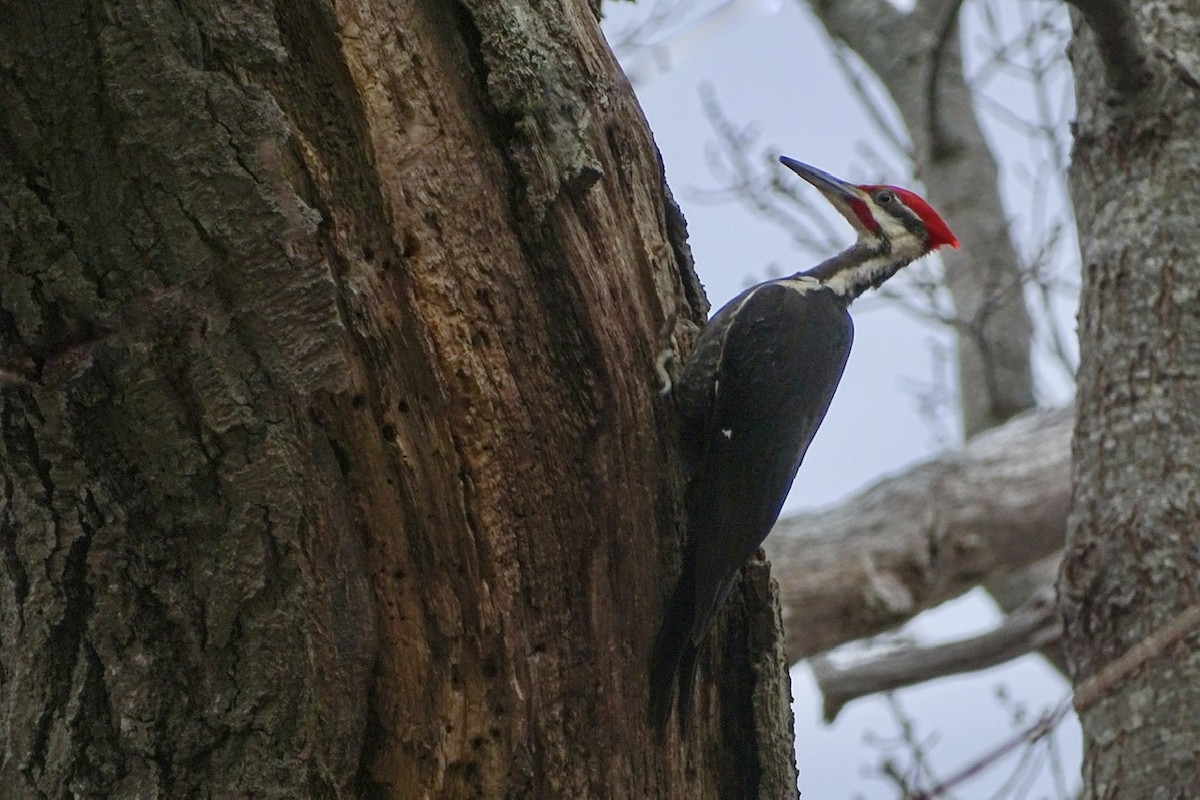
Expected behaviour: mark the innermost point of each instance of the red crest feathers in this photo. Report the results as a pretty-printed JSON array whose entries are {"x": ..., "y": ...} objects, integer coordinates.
[{"x": 939, "y": 232}]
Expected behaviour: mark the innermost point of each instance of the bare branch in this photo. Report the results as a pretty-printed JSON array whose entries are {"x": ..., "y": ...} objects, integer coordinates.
[
  {"x": 896, "y": 46},
  {"x": 755, "y": 182},
  {"x": 655, "y": 44},
  {"x": 1013, "y": 591},
  {"x": 922, "y": 537},
  {"x": 1087, "y": 693},
  {"x": 647, "y": 33},
  {"x": 1023, "y": 631},
  {"x": 1122, "y": 50},
  {"x": 917, "y": 748},
  {"x": 940, "y": 143}
]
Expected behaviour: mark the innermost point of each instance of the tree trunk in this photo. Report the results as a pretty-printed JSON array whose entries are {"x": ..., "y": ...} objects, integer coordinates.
[
  {"x": 332, "y": 460},
  {"x": 1131, "y": 572}
]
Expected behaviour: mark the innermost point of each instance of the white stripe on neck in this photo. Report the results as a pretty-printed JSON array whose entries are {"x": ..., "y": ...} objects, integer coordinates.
[{"x": 850, "y": 282}]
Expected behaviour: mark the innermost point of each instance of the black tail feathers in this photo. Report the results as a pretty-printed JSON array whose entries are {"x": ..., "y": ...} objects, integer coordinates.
[{"x": 674, "y": 659}]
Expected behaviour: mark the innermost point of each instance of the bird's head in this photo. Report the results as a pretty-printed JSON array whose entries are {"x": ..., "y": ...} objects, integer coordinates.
[
  {"x": 889, "y": 213},
  {"x": 894, "y": 226}
]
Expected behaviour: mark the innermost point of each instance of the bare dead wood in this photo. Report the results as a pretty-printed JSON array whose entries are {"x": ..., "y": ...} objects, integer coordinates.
[
  {"x": 1021, "y": 632},
  {"x": 774, "y": 721},
  {"x": 924, "y": 536}
]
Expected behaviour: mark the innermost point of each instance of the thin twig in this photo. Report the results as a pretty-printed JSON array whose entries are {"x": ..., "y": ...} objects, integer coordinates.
[
  {"x": 1084, "y": 696},
  {"x": 868, "y": 102},
  {"x": 1117, "y": 670},
  {"x": 1042, "y": 727}
]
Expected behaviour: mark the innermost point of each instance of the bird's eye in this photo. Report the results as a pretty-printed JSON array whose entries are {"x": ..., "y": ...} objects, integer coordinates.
[{"x": 884, "y": 197}]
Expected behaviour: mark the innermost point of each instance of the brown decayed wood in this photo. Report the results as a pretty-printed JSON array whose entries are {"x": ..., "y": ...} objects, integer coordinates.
[{"x": 334, "y": 463}]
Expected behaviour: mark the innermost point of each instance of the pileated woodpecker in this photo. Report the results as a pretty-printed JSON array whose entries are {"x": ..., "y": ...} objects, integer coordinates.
[{"x": 753, "y": 393}]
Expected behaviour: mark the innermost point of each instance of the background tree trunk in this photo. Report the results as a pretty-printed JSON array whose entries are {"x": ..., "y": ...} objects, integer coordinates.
[
  {"x": 332, "y": 459},
  {"x": 1131, "y": 571}
]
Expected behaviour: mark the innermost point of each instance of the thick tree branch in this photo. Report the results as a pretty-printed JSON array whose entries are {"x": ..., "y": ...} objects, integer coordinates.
[
  {"x": 861, "y": 25},
  {"x": 1028, "y": 628},
  {"x": 922, "y": 537},
  {"x": 1122, "y": 50}
]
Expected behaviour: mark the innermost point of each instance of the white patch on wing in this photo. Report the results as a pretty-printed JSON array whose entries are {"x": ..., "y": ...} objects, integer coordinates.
[
  {"x": 733, "y": 315},
  {"x": 733, "y": 312},
  {"x": 727, "y": 433}
]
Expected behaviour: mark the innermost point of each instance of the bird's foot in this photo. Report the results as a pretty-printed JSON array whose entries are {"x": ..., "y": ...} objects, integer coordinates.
[{"x": 668, "y": 363}]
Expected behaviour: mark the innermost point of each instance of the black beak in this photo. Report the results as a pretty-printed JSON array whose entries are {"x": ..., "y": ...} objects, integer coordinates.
[{"x": 828, "y": 185}]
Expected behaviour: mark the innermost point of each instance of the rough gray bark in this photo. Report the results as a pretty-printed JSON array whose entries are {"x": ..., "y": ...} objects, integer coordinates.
[
  {"x": 922, "y": 537},
  {"x": 1132, "y": 564},
  {"x": 332, "y": 463},
  {"x": 957, "y": 167}
]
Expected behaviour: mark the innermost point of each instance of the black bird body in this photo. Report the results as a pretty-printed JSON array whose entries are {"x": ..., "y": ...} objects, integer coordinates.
[
  {"x": 754, "y": 412},
  {"x": 752, "y": 395}
]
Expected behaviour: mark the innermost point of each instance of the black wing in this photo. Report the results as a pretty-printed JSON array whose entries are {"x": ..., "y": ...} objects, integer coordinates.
[
  {"x": 752, "y": 395},
  {"x": 784, "y": 353}
]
